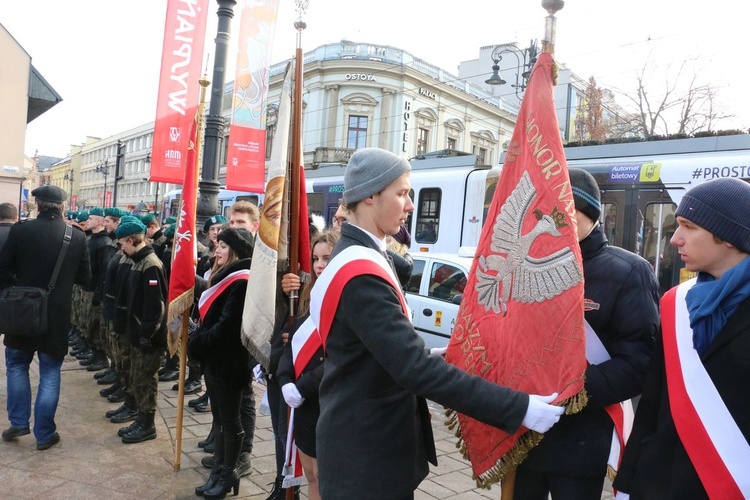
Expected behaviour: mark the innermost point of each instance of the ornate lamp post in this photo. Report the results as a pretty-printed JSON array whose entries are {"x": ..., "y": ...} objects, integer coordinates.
[
  {"x": 525, "y": 58},
  {"x": 103, "y": 168}
]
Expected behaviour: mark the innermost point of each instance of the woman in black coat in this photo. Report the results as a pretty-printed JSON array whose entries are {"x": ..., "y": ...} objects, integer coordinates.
[
  {"x": 227, "y": 365},
  {"x": 302, "y": 392}
]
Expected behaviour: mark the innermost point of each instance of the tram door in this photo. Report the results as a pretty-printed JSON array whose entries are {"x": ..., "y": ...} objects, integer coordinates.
[{"x": 642, "y": 221}]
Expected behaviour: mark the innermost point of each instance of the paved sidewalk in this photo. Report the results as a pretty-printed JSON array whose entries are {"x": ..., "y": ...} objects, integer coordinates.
[{"x": 91, "y": 462}]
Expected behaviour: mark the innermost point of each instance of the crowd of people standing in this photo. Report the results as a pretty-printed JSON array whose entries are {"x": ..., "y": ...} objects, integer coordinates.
[{"x": 360, "y": 420}]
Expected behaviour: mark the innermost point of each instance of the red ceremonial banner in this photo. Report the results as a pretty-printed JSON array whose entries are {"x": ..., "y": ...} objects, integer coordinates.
[
  {"x": 182, "y": 275},
  {"x": 246, "y": 153},
  {"x": 177, "y": 101},
  {"x": 521, "y": 318}
]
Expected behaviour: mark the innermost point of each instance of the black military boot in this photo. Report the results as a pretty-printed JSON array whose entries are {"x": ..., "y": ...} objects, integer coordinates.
[
  {"x": 118, "y": 396},
  {"x": 228, "y": 478},
  {"x": 127, "y": 414},
  {"x": 171, "y": 370},
  {"x": 129, "y": 404},
  {"x": 105, "y": 393},
  {"x": 100, "y": 362},
  {"x": 103, "y": 373},
  {"x": 109, "y": 378},
  {"x": 277, "y": 493},
  {"x": 144, "y": 432},
  {"x": 129, "y": 428}
]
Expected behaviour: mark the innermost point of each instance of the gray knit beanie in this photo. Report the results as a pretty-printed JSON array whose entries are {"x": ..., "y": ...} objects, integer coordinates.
[
  {"x": 721, "y": 207},
  {"x": 370, "y": 170},
  {"x": 586, "y": 194}
]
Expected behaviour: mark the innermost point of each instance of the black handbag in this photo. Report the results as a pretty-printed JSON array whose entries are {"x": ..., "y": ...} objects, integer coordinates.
[{"x": 24, "y": 308}]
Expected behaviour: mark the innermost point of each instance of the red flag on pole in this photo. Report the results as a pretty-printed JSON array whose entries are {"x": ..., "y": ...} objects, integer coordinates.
[
  {"x": 305, "y": 265},
  {"x": 182, "y": 276},
  {"x": 182, "y": 55},
  {"x": 521, "y": 319}
]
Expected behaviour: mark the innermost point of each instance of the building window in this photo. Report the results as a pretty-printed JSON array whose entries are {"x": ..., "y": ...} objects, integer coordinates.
[
  {"x": 357, "y": 136},
  {"x": 422, "y": 141},
  {"x": 450, "y": 143},
  {"x": 428, "y": 215},
  {"x": 482, "y": 156}
]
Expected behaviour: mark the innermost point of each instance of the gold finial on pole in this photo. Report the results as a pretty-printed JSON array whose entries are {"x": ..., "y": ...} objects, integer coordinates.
[{"x": 550, "y": 24}]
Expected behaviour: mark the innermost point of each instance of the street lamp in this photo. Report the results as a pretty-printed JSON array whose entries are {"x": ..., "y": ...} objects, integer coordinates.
[
  {"x": 103, "y": 168},
  {"x": 69, "y": 177},
  {"x": 156, "y": 198},
  {"x": 525, "y": 58}
]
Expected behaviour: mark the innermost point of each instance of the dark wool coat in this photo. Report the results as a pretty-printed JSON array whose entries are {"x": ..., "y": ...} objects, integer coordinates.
[
  {"x": 147, "y": 300},
  {"x": 98, "y": 243},
  {"x": 28, "y": 259},
  {"x": 621, "y": 293},
  {"x": 656, "y": 465},
  {"x": 217, "y": 343},
  {"x": 374, "y": 436}
]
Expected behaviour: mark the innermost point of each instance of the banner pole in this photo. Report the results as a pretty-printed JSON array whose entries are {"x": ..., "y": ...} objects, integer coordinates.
[{"x": 181, "y": 389}]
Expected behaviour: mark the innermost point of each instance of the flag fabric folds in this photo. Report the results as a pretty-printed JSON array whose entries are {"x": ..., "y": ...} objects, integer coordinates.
[
  {"x": 246, "y": 154},
  {"x": 258, "y": 316},
  {"x": 177, "y": 100},
  {"x": 184, "y": 253},
  {"x": 520, "y": 322}
]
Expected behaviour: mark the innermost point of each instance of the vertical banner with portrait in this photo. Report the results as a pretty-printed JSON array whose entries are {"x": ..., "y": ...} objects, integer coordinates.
[
  {"x": 246, "y": 153},
  {"x": 258, "y": 316}
]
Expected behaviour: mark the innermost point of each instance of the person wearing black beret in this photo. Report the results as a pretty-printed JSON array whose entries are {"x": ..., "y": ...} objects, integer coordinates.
[{"x": 21, "y": 267}]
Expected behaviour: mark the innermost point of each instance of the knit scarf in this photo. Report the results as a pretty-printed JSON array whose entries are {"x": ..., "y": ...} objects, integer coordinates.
[{"x": 711, "y": 302}]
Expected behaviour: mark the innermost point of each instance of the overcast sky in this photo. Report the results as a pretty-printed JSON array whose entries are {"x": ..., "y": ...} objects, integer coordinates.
[{"x": 103, "y": 56}]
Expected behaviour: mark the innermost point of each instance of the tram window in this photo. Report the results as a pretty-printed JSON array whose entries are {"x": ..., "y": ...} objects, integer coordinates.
[
  {"x": 659, "y": 225},
  {"x": 315, "y": 203},
  {"x": 251, "y": 198},
  {"x": 608, "y": 220},
  {"x": 428, "y": 215},
  {"x": 411, "y": 214},
  {"x": 490, "y": 186}
]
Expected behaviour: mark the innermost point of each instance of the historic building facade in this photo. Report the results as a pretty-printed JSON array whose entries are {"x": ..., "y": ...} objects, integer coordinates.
[{"x": 355, "y": 95}]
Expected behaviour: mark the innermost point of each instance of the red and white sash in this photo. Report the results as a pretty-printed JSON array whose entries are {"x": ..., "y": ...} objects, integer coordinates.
[
  {"x": 208, "y": 297},
  {"x": 622, "y": 413},
  {"x": 716, "y": 446},
  {"x": 324, "y": 300}
]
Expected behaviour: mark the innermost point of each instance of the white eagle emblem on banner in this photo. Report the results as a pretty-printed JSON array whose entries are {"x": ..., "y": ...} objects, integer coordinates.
[{"x": 527, "y": 279}]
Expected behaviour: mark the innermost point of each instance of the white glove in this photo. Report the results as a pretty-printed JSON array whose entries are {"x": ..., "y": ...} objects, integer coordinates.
[
  {"x": 259, "y": 374},
  {"x": 622, "y": 496},
  {"x": 291, "y": 395},
  {"x": 438, "y": 351},
  {"x": 540, "y": 415}
]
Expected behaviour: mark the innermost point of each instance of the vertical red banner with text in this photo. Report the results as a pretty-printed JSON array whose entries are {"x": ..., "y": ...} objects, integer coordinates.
[
  {"x": 246, "y": 154},
  {"x": 177, "y": 102}
]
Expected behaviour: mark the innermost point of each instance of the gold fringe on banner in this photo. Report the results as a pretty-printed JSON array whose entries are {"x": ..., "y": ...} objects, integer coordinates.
[
  {"x": 179, "y": 306},
  {"x": 518, "y": 453}
]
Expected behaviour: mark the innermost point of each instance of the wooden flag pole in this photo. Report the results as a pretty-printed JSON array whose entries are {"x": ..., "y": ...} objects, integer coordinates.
[
  {"x": 204, "y": 83},
  {"x": 181, "y": 388},
  {"x": 508, "y": 483}
]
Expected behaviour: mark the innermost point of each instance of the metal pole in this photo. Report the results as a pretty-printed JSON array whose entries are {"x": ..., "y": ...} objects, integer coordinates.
[{"x": 208, "y": 187}]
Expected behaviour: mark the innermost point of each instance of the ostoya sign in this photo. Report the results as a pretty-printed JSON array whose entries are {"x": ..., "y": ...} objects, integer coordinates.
[{"x": 360, "y": 76}]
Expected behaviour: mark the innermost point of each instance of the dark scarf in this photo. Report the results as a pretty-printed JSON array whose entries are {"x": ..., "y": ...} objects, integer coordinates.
[{"x": 711, "y": 302}]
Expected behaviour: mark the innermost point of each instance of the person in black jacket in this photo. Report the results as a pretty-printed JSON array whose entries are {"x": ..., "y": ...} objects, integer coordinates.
[
  {"x": 621, "y": 306},
  {"x": 691, "y": 435},
  {"x": 227, "y": 365},
  {"x": 28, "y": 259},
  {"x": 145, "y": 328},
  {"x": 302, "y": 392},
  {"x": 98, "y": 243}
]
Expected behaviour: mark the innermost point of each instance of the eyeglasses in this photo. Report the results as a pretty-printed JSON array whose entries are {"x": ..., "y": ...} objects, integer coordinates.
[{"x": 337, "y": 221}]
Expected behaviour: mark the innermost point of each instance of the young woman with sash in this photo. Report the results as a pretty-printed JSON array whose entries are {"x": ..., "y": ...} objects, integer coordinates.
[
  {"x": 301, "y": 391},
  {"x": 227, "y": 365}
]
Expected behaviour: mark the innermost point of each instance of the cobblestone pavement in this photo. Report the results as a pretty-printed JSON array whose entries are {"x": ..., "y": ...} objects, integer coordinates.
[{"x": 92, "y": 463}]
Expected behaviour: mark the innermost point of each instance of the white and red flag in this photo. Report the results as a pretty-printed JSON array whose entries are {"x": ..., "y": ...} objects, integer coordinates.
[
  {"x": 521, "y": 318},
  {"x": 177, "y": 100}
]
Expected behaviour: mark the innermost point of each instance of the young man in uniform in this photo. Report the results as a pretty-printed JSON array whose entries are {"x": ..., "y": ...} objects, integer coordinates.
[
  {"x": 146, "y": 327},
  {"x": 622, "y": 318},
  {"x": 692, "y": 432},
  {"x": 98, "y": 241},
  {"x": 374, "y": 434}
]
